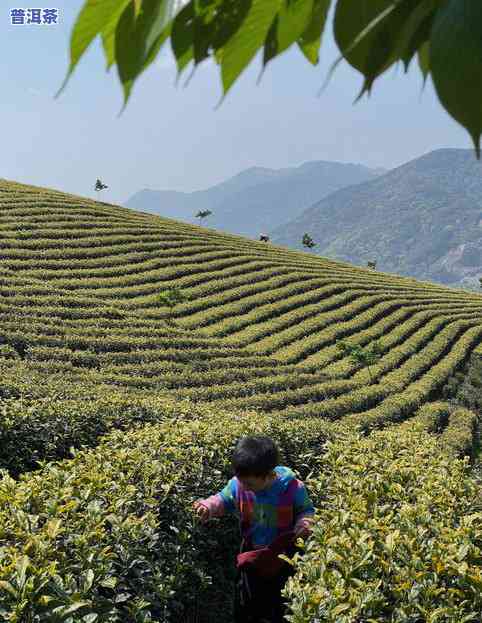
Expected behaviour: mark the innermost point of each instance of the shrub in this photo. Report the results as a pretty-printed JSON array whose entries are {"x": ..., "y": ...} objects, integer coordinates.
[
  {"x": 110, "y": 535},
  {"x": 397, "y": 536},
  {"x": 8, "y": 352}
]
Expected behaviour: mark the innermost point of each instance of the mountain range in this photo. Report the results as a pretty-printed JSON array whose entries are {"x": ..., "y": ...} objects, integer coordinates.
[
  {"x": 257, "y": 199},
  {"x": 422, "y": 219}
]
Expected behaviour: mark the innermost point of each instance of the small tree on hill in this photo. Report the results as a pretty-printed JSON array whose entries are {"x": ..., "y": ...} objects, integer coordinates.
[
  {"x": 364, "y": 356},
  {"x": 307, "y": 241},
  {"x": 99, "y": 185},
  {"x": 170, "y": 298},
  {"x": 203, "y": 214}
]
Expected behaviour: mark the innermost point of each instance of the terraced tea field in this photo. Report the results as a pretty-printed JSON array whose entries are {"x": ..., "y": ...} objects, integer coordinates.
[
  {"x": 257, "y": 334},
  {"x": 78, "y": 293}
]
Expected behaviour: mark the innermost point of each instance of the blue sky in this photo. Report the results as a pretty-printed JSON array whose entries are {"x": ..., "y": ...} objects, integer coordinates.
[{"x": 172, "y": 138}]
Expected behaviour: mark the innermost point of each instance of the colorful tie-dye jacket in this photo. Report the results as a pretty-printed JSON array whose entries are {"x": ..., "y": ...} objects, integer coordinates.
[{"x": 265, "y": 515}]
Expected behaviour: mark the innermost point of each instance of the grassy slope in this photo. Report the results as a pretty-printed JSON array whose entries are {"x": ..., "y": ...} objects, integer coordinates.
[{"x": 78, "y": 293}]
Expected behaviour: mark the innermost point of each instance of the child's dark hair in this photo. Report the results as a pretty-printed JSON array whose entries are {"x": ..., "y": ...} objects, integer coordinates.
[{"x": 255, "y": 455}]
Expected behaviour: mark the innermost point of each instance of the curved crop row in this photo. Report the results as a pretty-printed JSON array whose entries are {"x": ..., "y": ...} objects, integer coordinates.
[
  {"x": 378, "y": 403},
  {"x": 206, "y": 377},
  {"x": 459, "y": 436},
  {"x": 389, "y": 334},
  {"x": 310, "y": 338},
  {"x": 361, "y": 398},
  {"x": 258, "y": 388},
  {"x": 270, "y": 318},
  {"x": 430, "y": 418},
  {"x": 404, "y": 361},
  {"x": 324, "y": 392},
  {"x": 411, "y": 395},
  {"x": 277, "y": 280},
  {"x": 91, "y": 276},
  {"x": 456, "y": 426}
]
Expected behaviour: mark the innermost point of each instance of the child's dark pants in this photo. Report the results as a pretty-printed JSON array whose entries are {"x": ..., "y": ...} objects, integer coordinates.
[{"x": 258, "y": 599}]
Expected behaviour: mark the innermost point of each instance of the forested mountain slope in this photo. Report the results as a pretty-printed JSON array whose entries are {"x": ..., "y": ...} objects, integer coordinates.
[
  {"x": 422, "y": 219},
  {"x": 256, "y": 199}
]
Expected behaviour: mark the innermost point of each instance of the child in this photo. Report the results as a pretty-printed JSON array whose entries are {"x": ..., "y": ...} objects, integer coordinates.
[{"x": 274, "y": 509}]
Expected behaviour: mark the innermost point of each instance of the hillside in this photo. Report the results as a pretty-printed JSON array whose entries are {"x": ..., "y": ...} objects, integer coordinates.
[
  {"x": 253, "y": 201},
  {"x": 79, "y": 292},
  {"x": 422, "y": 219},
  {"x": 116, "y": 416}
]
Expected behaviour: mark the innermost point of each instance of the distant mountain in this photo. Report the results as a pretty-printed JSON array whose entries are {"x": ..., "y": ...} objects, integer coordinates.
[
  {"x": 422, "y": 219},
  {"x": 256, "y": 199}
]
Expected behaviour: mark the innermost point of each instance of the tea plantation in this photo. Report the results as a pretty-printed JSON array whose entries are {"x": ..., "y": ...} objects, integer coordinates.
[{"x": 117, "y": 412}]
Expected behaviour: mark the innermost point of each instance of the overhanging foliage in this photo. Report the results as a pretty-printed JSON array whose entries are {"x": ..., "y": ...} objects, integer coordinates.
[{"x": 372, "y": 35}]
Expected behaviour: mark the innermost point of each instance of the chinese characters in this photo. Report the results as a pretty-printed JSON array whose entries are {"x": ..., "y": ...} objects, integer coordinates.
[{"x": 23, "y": 17}]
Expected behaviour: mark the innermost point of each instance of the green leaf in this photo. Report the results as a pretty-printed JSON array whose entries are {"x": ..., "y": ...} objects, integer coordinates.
[
  {"x": 6, "y": 586},
  {"x": 182, "y": 36},
  {"x": 89, "y": 580},
  {"x": 137, "y": 6},
  {"x": 205, "y": 21},
  {"x": 366, "y": 33},
  {"x": 271, "y": 44},
  {"x": 391, "y": 539},
  {"x": 415, "y": 31},
  {"x": 157, "y": 42},
  {"x": 291, "y": 22},
  {"x": 110, "y": 582},
  {"x": 215, "y": 23},
  {"x": 160, "y": 17},
  {"x": 156, "y": 46},
  {"x": 456, "y": 63},
  {"x": 310, "y": 39},
  {"x": 135, "y": 36},
  {"x": 228, "y": 21},
  {"x": 424, "y": 59},
  {"x": 21, "y": 567},
  {"x": 242, "y": 47},
  {"x": 339, "y": 609},
  {"x": 93, "y": 18},
  {"x": 463, "y": 551},
  {"x": 63, "y": 611},
  {"x": 108, "y": 35},
  {"x": 53, "y": 528}
]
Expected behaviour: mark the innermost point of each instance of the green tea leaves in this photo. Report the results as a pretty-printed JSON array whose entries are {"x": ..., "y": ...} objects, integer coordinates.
[
  {"x": 310, "y": 40},
  {"x": 291, "y": 22},
  {"x": 95, "y": 16},
  {"x": 135, "y": 35},
  {"x": 371, "y": 35},
  {"x": 456, "y": 63},
  {"x": 242, "y": 47}
]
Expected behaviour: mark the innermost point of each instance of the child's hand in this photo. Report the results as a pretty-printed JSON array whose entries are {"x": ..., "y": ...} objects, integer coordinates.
[
  {"x": 302, "y": 528},
  {"x": 202, "y": 511},
  {"x": 302, "y": 533}
]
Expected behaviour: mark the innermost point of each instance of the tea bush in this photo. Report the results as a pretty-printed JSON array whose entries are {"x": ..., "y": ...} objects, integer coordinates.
[
  {"x": 397, "y": 537},
  {"x": 110, "y": 535},
  {"x": 46, "y": 429},
  {"x": 459, "y": 435}
]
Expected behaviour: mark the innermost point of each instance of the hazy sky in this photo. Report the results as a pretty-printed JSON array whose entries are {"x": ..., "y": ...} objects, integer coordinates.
[{"x": 172, "y": 137}]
